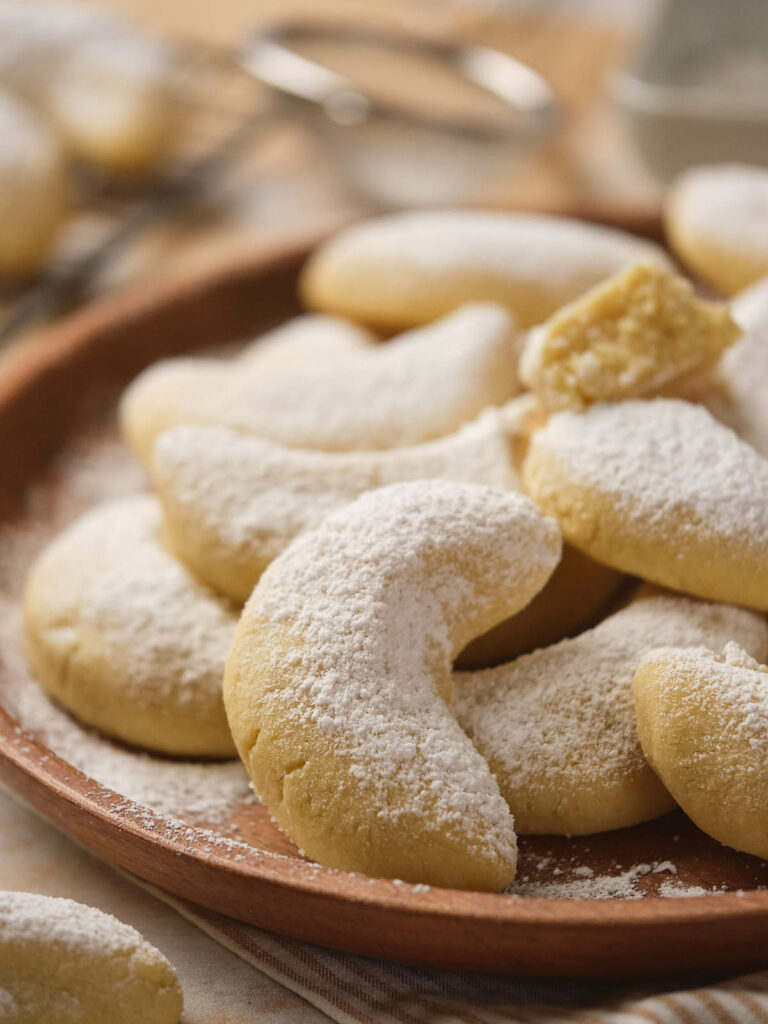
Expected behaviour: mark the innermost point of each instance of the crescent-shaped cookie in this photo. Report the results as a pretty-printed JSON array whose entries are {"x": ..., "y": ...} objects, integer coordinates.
[
  {"x": 716, "y": 219},
  {"x": 703, "y": 723},
  {"x": 557, "y": 726},
  {"x": 418, "y": 387},
  {"x": 311, "y": 336},
  {"x": 661, "y": 490},
  {"x": 123, "y": 635},
  {"x": 232, "y": 503},
  {"x": 62, "y": 962},
  {"x": 410, "y": 268},
  {"x": 336, "y": 680}
]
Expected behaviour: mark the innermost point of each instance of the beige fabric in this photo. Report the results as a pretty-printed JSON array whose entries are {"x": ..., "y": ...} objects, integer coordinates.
[
  {"x": 219, "y": 988},
  {"x": 317, "y": 985}
]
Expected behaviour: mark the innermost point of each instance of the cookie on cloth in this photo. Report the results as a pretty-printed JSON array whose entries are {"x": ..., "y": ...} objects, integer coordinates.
[{"x": 62, "y": 962}]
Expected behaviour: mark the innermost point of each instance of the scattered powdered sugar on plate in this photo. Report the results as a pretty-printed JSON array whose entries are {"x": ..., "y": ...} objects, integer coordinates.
[
  {"x": 581, "y": 882},
  {"x": 96, "y": 469},
  {"x": 678, "y": 890}
]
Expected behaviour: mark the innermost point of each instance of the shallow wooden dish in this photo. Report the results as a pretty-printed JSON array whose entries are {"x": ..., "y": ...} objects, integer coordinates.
[{"x": 53, "y": 394}]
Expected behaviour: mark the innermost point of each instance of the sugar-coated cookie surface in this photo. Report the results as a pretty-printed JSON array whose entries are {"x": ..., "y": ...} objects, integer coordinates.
[
  {"x": 336, "y": 680},
  {"x": 62, "y": 962},
  {"x": 661, "y": 490},
  {"x": 717, "y": 223},
  {"x": 311, "y": 336},
  {"x": 418, "y": 387},
  {"x": 409, "y": 268},
  {"x": 33, "y": 188},
  {"x": 632, "y": 335},
  {"x": 121, "y": 634},
  {"x": 557, "y": 726},
  {"x": 703, "y": 722},
  {"x": 233, "y": 503},
  {"x": 737, "y": 395},
  {"x": 577, "y": 595}
]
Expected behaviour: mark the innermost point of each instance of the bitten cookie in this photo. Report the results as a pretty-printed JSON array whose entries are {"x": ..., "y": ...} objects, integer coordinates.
[
  {"x": 661, "y": 490},
  {"x": 717, "y": 223},
  {"x": 336, "y": 682},
  {"x": 123, "y": 636},
  {"x": 703, "y": 723},
  {"x": 410, "y": 268},
  {"x": 420, "y": 386},
  {"x": 557, "y": 726},
  {"x": 62, "y": 962},
  {"x": 634, "y": 334},
  {"x": 33, "y": 189}
]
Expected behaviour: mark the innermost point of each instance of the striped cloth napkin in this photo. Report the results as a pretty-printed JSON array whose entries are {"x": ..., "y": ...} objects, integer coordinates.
[{"x": 357, "y": 990}]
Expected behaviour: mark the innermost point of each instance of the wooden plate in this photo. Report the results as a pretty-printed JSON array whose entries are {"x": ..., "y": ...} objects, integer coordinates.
[{"x": 55, "y": 393}]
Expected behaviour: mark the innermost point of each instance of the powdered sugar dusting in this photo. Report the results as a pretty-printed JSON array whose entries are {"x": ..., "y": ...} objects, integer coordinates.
[
  {"x": 424, "y": 384},
  {"x": 734, "y": 683},
  {"x": 724, "y": 206},
  {"x": 109, "y": 573},
  {"x": 738, "y": 395},
  {"x": 665, "y": 461},
  {"x": 562, "y": 718},
  {"x": 27, "y": 917},
  {"x": 247, "y": 498},
  {"x": 97, "y": 468},
  {"x": 569, "y": 255},
  {"x": 376, "y": 601}
]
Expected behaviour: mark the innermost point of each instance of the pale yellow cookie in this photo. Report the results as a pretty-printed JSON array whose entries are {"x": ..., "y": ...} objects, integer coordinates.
[
  {"x": 632, "y": 335},
  {"x": 113, "y": 99},
  {"x": 232, "y": 504},
  {"x": 736, "y": 392},
  {"x": 336, "y": 680},
  {"x": 703, "y": 723},
  {"x": 557, "y": 727},
  {"x": 62, "y": 962},
  {"x": 308, "y": 337},
  {"x": 420, "y": 386},
  {"x": 123, "y": 635},
  {"x": 717, "y": 223},
  {"x": 661, "y": 490},
  {"x": 410, "y": 268},
  {"x": 33, "y": 189},
  {"x": 577, "y": 594}
]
